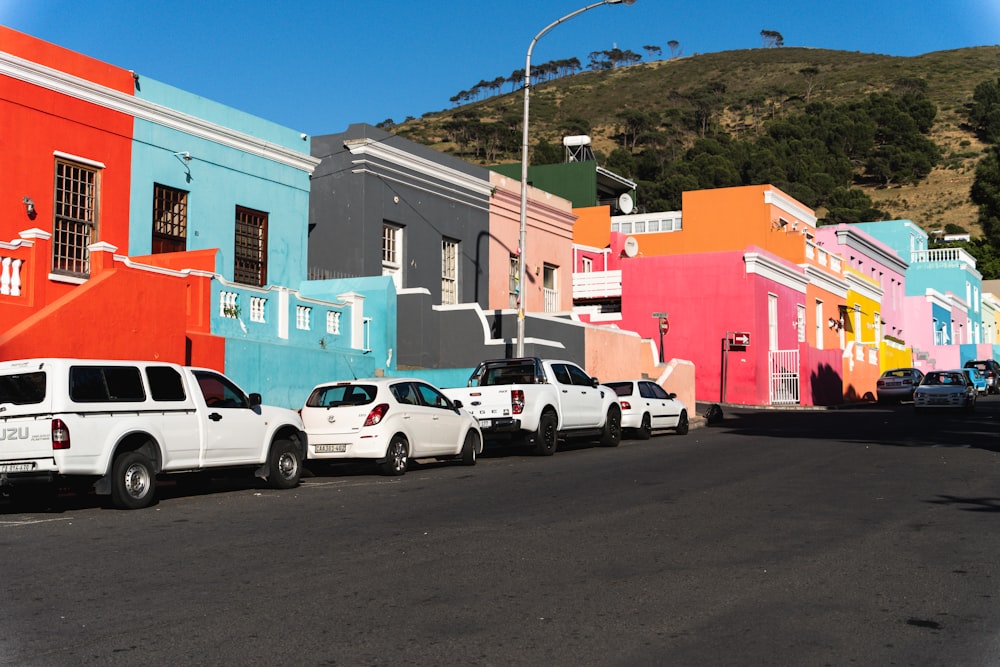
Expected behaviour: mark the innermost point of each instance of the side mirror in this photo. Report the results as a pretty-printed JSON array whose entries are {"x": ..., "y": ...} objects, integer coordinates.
[
  {"x": 457, "y": 404},
  {"x": 671, "y": 396},
  {"x": 594, "y": 382},
  {"x": 255, "y": 400}
]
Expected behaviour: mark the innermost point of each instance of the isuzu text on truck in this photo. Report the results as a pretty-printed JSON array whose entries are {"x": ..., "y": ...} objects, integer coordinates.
[
  {"x": 539, "y": 401},
  {"x": 116, "y": 425}
]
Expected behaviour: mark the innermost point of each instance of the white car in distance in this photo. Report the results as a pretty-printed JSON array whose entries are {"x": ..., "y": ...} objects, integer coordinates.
[
  {"x": 388, "y": 421},
  {"x": 646, "y": 406}
]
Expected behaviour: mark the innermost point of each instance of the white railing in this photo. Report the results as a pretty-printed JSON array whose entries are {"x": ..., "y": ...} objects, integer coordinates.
[
  {"x": 597, "y": 284},
  {"x": 551, "y": 300},
  {"x": 943, "y": 255},
  {"x": 10, "y": 276}
]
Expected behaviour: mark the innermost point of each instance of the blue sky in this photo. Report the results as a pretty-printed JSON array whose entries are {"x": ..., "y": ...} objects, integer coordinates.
[{"x": 317, "y": 66}]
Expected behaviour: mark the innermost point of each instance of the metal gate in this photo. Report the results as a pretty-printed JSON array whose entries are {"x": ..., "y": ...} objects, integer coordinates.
[{"x": 783, "y": 377}]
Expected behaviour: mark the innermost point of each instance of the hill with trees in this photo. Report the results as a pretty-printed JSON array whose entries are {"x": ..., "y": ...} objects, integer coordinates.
[{"x": 855, "y": 136}]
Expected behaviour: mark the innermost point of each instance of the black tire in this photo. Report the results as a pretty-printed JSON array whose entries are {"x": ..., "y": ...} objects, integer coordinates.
[
  {"x": 546, "y": 437},
  {"x": 285, "y": 464},
  {"x": 612, "y": 434},
  {"x": 133, "y": 481},
  {"x": 469, "y": 447},
  {"x": 683, "y": 425},
  {"x": 396, "y": 457},
  {"x": 645, "y": 429}
]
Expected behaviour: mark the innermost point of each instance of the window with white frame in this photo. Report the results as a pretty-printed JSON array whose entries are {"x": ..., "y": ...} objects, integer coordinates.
[
  {"x": 392, "y": 253},
  {"x": 550, "y": 288},
  {"x": 333, "y": 322},
  {"x": 820, "y": 323},
  {"x": 857, "y": 323},
  {"x": 772, "y": 321},
  {"x": 449, "y": 271},
  {"x": 586, "y": 265},
  {"x": 303, "y": 317},
  {"x": 75, "y": 224},
  {"x": 800, "y": 323}
]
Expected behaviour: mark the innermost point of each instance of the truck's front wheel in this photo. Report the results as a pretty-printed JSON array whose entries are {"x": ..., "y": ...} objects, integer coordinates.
[
  {"x": 612, "y": 434},
  {"x": 133, "y": 481},
  {"x": 546, "y": 438},
  {"x": 286, "y": 465}
]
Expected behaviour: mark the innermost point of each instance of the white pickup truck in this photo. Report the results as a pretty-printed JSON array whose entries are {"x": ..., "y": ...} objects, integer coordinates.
[
  {"x": 116, "y": 425},
  {"x": 539, "y": 401}
]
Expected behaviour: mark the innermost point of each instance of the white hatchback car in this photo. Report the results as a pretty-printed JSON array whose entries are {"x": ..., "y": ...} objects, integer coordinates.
[
  {"x": 389, "y": 421},
  {"x": 647, "y": 406}
]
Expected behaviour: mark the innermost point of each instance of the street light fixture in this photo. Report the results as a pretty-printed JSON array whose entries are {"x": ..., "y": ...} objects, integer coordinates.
[{"x": 522, "y": 241}]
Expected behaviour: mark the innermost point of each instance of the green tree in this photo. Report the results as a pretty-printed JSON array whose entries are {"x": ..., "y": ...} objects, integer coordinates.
[{"x": 985, "y": 193}]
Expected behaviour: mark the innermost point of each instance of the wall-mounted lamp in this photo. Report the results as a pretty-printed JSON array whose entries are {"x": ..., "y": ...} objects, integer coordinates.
[
  {"x": 779, "y": 224},
  {"x": 183, "y": 155},
  {"x": 29, "y": 206},
  {"x": 835, "y": 324}
]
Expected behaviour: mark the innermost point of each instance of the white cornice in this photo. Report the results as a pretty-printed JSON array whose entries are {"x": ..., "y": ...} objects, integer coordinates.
[
  {"x": 936, "y": 298},
  {"x": 768, "y": 268},
  {"x": 864, "y": 287},
  {"x": 775, "y": 198},
  {"x": 854, "y": 238},
  {"x": 823, "y": 280},
  {"x": 379, "y": 150},
  {"x": 140, "y": 109}
]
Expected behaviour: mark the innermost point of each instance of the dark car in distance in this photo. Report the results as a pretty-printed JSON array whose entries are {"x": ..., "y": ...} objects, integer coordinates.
[
  {"x": 898, "y": 384},
  {"x": 991, "y": 369}
]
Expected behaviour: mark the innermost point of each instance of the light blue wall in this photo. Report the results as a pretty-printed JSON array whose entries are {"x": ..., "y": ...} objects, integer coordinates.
[{"x": 219, "y": 178}]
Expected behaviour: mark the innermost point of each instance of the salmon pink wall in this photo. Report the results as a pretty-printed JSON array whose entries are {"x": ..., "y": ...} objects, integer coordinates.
[{"x": 550, "y": 221}]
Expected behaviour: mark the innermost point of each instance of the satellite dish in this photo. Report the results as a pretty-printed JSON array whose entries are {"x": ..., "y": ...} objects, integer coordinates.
[
  {"x": 631, "y": 246},
  {"x": 625, "y": 203}
]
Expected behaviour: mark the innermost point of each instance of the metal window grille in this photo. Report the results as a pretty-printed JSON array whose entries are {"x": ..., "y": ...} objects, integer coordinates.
[
  {"x": 449, "y": 272},
  {"x": 250, "y": 255},
  {"x": 75, "y": 225},
  {"x": 170, "y": 212},
  {"x": 549, "y": 289}
]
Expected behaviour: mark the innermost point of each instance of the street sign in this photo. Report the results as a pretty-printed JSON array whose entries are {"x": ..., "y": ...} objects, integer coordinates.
[{"x": 741, "y": 338}]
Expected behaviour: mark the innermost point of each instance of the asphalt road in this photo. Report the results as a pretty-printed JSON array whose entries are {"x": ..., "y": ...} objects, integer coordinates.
[{"x": 848, "y": 537}]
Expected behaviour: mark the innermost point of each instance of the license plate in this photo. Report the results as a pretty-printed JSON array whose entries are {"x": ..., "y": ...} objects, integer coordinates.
[
  {"x": 17, "y": 467},
  {"x": 485, "y": 423},
  {"x": 331, "y": 449}
]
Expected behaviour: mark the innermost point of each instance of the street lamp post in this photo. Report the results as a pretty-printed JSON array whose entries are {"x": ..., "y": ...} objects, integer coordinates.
[{"x": 522, "y": 240}]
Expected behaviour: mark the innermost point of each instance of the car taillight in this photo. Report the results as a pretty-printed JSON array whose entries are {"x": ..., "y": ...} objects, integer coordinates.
[
  {"x": 625, "y": 405},
  {"x": 60, "y": 435},
  {"x": 377, "y": 413},
  {"x": 517, "y": 401}
]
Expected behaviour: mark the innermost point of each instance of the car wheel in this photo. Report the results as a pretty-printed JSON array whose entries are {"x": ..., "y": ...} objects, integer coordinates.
[
  {"x": 546, "y": 438},
  {"x": 645, "y": 429},
  {"x": 683, "y": 426},
  {"x": 286, "y": 465},
  {"x": 469, "y": 449},
  {"x": 133, "y": 481},
  {"x": 612, "y": 434},
  {"x": 396, "y": 455}
]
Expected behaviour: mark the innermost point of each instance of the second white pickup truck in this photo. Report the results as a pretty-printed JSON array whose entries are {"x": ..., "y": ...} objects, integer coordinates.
[
  {"x": 539, "y": 401},
  {"x": 115, "y": 425}
]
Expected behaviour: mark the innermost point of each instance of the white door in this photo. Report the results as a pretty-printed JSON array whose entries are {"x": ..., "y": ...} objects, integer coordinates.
[
  {"x": 443, "y": 423},
  {"x": 233, "y": 431}
]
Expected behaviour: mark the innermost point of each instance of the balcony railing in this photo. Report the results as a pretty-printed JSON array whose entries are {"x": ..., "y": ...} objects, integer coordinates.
[
  {"x": 597, "y": 285},
  {"x": 551, "y": 300},
  {"x": 10, "y": 276},
  {"x": 943, "y": 255}
]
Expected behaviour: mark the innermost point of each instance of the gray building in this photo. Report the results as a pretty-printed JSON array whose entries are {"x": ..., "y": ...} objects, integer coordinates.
[{"x": 383, "y": 205}]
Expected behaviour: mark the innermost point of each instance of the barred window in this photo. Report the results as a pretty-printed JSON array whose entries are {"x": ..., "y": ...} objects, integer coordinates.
[
  {"x": 303, "y": 317},
  {"x": 169, "y": 219},
  {"x": 75, "y": 226},
  {"x": 332, "y": 322},
  {"x": 250, "y": 256},
  {"x": 449, "y": 271}
]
